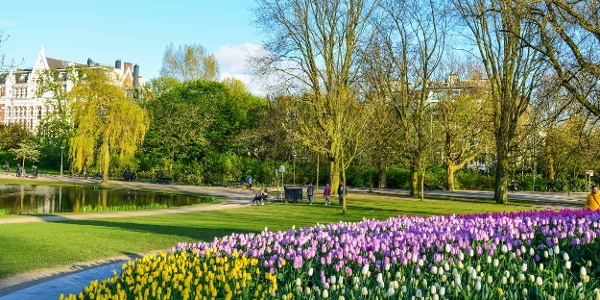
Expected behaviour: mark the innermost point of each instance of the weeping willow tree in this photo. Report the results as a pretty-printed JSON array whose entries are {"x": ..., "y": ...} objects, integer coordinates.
[{"x": 108, "y": 123}]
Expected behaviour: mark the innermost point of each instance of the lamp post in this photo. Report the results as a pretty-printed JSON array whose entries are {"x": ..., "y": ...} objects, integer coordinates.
[
  {"x": 294, "y": 155},
  {"x": 62, "y": 150}
]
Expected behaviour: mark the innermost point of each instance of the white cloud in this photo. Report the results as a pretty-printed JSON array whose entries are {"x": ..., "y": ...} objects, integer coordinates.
[
  {"x": 7, "y": 23},
  {"x": 233, "y": 62}
]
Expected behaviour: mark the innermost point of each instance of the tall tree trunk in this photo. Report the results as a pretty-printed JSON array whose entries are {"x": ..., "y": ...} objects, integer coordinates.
[
  {"x": 414, "y": 180},
  {"x": 550, "y": 159},
  {"x": 500, "y": 191},
  {"x": 345, "y": 193},
  {"x": 423, "y": 185},
  {"x": 381, "y": 175},
  {"x": 105, "y": 161},
  {"x": 334, "y": 174},
  {"x": 450, "y": 169},
  {"x": 171, "y": 161}
]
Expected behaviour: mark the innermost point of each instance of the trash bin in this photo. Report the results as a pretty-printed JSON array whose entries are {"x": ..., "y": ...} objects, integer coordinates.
[{"x": 293, "y": 194}]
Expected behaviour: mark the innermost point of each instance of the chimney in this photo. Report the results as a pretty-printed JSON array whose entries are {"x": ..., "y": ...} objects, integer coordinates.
[
  {"x": 136, "y": 75},
  {"x": 127, "y": 66},
  {"x": 118, "y": 64}
]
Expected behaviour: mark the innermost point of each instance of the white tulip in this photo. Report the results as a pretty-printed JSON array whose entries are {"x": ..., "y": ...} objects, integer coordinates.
[
  {"x": 496, "y": 262},
  {"x": 325, "y": 294},
  {"x": 442, "y": 291},
  {"x": 390, "y": 291},
  {"x": 568, "y": 264},
  {"x": 541, "y": 267},
  {"x": 524, "y": 267},
  {"x": 583, "y": 272},
  {"x": 365, "y": 291},
  {"x": 310, "y": 271},
  {"x": 434, "y": 270},
  {"x": 379, "y": 277},
  {"x": 504, "y": 248},
  {"x": 539, "y": 281},
  {"x": 365, "y": 269},
  {"x": 566, "y": 256}
]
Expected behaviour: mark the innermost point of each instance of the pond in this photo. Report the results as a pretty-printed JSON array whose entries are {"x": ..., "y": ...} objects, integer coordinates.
[{"x": 41, "y": 199}]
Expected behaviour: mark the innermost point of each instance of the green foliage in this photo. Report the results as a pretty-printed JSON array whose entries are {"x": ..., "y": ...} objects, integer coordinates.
[
  {"x": 398, "y": 178},
  {"x": 107, "y": 122},
  {"x": 26, "y": 150},
  {"x": 11, "y": 135},
  {"x": 465, "y": 180},
  {"x": 188, "y": 63},
  {"x": 197, "y": 132}
]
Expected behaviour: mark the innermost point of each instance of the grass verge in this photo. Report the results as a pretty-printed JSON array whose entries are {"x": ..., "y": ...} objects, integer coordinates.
[{"x": 30, "y": 246}]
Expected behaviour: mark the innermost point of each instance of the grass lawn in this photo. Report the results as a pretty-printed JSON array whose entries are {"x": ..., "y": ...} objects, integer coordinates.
[{"x": 30, "y": 246}]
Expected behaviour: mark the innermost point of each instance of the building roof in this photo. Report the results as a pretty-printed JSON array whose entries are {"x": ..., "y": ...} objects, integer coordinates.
[{"x": 54, "y": 63}]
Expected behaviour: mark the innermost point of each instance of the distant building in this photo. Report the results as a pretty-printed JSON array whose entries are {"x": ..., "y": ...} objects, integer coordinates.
[{"x": 19, "y": 102}]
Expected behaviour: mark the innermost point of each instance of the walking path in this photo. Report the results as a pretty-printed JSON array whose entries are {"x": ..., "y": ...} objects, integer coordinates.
[{"x": 50, "y": 283}]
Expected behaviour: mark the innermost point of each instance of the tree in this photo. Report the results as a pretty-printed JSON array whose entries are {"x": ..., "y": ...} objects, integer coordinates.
[
  {"x": 26, "y": 150},
  {"x": 56, "y": 128},
  {"x": 313, "y": 47},
  {"x": 498, "y": 29},
  {"x": 570, "y": 37},
  {"x": 12, "y": 135},
  {"x": 189, "y": 62},
  {"x": 464, "y": 131},
  {"x": 108, "y": 124},
  {"x": 412, "y": 37},
  {"x": 178, "y": 121}
]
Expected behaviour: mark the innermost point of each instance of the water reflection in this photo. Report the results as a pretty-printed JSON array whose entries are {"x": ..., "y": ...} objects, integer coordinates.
[{"x": 39, "y": 199}]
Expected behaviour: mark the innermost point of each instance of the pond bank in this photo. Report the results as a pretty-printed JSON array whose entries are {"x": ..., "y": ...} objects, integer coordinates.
[{"x": 237, "y": 197}]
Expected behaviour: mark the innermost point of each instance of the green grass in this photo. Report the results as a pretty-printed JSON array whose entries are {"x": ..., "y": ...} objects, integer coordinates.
[{"x": 30, "y": 246}]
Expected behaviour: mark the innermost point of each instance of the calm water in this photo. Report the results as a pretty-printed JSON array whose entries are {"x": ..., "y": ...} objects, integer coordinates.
[{"x": 32, "y": 199}]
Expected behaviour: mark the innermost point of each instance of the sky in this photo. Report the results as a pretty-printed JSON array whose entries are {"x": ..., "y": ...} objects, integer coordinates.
[{"x": 134, "y": 31}]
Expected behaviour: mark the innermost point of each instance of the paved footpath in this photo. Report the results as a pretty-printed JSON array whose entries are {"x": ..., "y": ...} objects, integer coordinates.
[{"x": 50, "y": 283}]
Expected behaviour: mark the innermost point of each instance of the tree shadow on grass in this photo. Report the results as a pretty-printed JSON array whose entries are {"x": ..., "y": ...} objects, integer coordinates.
[{"x": 191, "y": 232}]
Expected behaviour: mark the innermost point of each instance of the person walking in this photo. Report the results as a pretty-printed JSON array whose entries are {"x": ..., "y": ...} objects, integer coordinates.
[
  {"x": 19, "y": 170},
  {"x": 327, "y": 193},
  {"x": 341, "y": 193},
  {"x": 249, "y": 181},
  {"x": 593, "y": 199},
  {"x": 310, "y": 193}
]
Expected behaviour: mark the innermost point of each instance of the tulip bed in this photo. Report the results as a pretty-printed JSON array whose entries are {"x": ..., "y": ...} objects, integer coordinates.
[{"x": 521, "y": 255}]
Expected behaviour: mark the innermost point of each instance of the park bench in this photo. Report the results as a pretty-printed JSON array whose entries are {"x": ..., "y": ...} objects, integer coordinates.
[
  {"x": 235, "y": 182},
  {"x": 164, "y": 180}
]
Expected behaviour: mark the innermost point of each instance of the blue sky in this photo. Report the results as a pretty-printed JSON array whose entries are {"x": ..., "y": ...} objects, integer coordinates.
[{"x": 130, "y": 30}]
